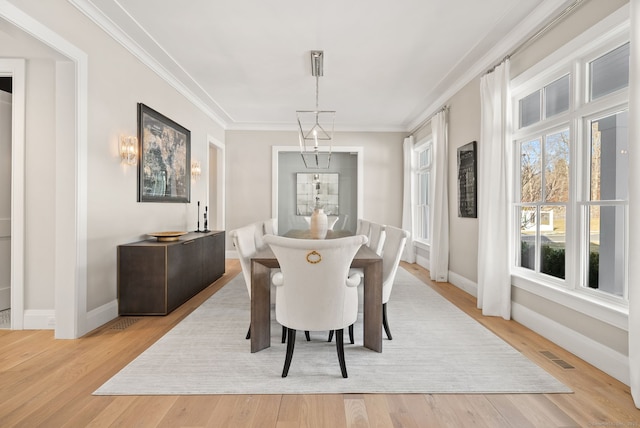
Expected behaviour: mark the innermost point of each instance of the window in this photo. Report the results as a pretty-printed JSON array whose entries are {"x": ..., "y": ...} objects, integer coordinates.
[
  {"x": 545, "y": 102},
  {"x": 610, "y": 72},
  {"x": 544, "y": 194},
  {"x": 422, "y": 175},
  {"x": 571, "y": 172},
  {"x": 605, "y": 206}
]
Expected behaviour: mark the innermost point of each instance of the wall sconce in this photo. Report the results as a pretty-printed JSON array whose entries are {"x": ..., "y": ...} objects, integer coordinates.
[
  {"x": 128, "y": 149},
  {"x": 195, "y": 170}
]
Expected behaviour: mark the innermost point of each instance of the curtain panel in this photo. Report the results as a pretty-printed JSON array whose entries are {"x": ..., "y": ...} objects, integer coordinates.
[
  {"x": 439, "y": 224},
  {"x": 494, "y": 186},
  {"x": 408, "y": 222},
  {"x": 634, "y": 205}
]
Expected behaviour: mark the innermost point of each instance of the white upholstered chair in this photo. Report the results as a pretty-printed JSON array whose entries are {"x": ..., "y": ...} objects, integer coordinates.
[
  {"x": 376, "y": 237},
  {"x": 394, "y": 242},
  {"x": 313, "y": 289},
  {"x": 244, "y": 239},
  {"x": 363, "y": 227},
  {"x": 341, "y": 224},
  {"x": 271, "y": 226},
  {"x": 331, "y": 221},
  {"x": 259, "y": 234}
]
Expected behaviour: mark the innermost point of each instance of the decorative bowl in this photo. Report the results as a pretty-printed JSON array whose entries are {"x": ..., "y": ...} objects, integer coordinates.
[{"x": 167, "y": 236}]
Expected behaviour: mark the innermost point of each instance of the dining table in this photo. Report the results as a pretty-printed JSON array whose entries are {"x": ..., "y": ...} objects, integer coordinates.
[{"x": 264, "y": 260}]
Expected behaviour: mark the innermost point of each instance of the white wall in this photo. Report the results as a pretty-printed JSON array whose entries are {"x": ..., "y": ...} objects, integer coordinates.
[
  {"x": 249, "y": 174},
  {"x": 464, "y": 127}
]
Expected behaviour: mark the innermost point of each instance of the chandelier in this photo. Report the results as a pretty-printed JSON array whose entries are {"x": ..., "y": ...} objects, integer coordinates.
[{"x": 316, "y": 126}]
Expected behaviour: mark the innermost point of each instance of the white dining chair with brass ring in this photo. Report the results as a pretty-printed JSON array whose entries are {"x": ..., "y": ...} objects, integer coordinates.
[{"x": 313, "y": 289}]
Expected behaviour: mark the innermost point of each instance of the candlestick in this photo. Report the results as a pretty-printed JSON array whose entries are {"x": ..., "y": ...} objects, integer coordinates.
[
  {"x": 198, "y": 229},
  {"x": 206, "y": 228}
]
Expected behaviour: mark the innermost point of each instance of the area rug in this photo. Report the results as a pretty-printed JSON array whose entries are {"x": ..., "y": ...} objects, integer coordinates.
[{"x": 436, "y": 348}]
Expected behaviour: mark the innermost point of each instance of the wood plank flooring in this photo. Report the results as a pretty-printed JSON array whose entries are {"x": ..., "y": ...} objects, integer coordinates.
[{"x": 48, "y": 383}]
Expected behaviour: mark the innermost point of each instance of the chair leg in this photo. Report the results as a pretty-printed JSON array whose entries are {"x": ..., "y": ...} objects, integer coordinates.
[
  {"x": 385, "y": 323},
  {"x": 248, "y": 333},
  {"x": 340, "y": 348},
  {"x": 306, "y": 334},
  {"x": 291, "y": 343},
  {"x": 284, "y": 334},
  {"x": 350, "y": 335}
]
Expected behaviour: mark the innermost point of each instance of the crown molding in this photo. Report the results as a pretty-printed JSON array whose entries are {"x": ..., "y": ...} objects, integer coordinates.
[
  {"x": 146, "y": 49},
  {"x": 260, "y": 126},
  {"x": 194, "y": 93},
  {"x": 534, "y": 21}
]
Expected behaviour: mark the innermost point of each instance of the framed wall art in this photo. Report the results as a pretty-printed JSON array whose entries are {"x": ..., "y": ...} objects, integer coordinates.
[
  {"x": 325, "y": 187},
  {"x": 164, "y": 170},
  {"x": 467, "y": 181}
]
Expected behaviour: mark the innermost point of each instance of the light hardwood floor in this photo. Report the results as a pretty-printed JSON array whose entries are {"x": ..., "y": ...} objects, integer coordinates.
[{"x": 48, "y": 383}]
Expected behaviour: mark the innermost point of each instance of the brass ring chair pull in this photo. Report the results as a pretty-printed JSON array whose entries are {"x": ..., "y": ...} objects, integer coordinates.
[{"x": 314, "y": 257}]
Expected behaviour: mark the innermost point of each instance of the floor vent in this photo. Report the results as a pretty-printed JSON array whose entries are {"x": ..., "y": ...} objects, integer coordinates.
[
  {"x": 558, "y": 361},
  {"x": 123, "y": 323}
]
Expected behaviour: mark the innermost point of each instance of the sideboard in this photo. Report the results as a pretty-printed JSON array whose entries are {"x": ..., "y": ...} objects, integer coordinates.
[{"x": 154, "y": 278}]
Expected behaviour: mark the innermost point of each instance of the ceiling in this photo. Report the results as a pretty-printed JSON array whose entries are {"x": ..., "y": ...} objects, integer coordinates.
[{"x": 387, "y": 66}]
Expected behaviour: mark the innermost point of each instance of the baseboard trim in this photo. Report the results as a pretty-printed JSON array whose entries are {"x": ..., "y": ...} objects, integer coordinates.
[
  {"x": 423, "y": 261},
  {"x": 39, "y": 319},
  {"x": 45, "y": 319},
  {"x": 101, "y": 315},
  {"x": 606, "y": 359},
  {"x": 463, "y": 283}
]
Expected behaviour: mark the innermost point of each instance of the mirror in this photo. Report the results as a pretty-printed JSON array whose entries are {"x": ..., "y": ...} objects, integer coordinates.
[{"x": 317, "y": 189}]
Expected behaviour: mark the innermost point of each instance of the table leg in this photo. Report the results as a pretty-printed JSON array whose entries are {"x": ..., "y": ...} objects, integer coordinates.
[
  {"x": 260, "y": 307},
  {"x": 373, "y": 306}
]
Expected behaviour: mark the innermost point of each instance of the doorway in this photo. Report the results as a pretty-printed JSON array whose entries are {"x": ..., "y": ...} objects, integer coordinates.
[
  {"x": 5, "y": 201},
  {"x": 13, "y": 156},
  {"x": 346, "y": 161},
  {"x": 215, "y": 184}
]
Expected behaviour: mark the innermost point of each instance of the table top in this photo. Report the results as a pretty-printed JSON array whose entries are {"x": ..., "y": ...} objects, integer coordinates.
[{"x": 181, "y": 239}]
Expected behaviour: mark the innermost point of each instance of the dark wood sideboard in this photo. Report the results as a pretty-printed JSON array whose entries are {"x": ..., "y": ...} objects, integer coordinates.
[{"x": 154, "y": 278}]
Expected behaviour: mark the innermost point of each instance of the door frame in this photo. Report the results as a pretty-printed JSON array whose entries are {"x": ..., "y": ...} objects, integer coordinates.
[
  {"x": 357, "y": 150},
  {"x": 220, "y": 186},
  {"x": 15, "y": 68},
  {"x": 70, "y": 282}
]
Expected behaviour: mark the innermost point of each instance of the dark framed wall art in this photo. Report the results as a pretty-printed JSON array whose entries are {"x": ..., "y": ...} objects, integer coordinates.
[
  {"x": 164, "y": 170},
  {"x": 467, "y": 181}
]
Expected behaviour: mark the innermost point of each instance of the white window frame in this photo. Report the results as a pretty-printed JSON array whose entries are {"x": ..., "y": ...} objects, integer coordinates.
[
  {"x": 422, "y": 145},
  {"x": 574, "y": 57}
]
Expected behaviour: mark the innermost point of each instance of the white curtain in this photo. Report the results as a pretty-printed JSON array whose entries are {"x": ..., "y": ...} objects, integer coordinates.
[
  {"x": 439, "y": 224},
  {"x": 494, "y": 184},
  {"x": 634, "y": 205},
  {"x": 409, "y": 254}
]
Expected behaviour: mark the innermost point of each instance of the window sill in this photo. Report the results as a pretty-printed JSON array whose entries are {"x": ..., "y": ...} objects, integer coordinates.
[{"x": 609, "y": 312}]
